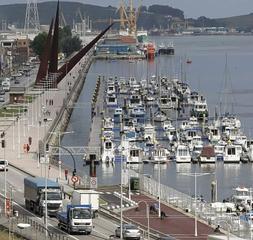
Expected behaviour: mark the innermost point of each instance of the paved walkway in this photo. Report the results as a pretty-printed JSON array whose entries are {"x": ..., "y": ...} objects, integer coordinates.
[
  {"x": 176, "y": 224},
  {"x": 35, "y": 123}
]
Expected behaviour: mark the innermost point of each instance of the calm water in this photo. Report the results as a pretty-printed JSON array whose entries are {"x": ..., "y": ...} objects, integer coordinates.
[{"x": 205, "y": 74}]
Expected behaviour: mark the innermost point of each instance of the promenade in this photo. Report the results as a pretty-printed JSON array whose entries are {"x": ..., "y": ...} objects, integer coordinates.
[
  {"x": 37, "y": 123},
  {"x": 176, "y": 223}
]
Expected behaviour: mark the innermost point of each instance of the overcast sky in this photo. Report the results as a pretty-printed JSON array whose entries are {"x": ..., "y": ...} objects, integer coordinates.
[{"x": 191, "y": 8}]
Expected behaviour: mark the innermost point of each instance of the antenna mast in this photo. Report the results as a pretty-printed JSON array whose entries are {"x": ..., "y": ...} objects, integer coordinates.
[{"x": 32, "y": 22}]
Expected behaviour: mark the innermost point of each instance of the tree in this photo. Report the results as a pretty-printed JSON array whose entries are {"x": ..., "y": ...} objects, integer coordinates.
[
  {"x": 70, "y": 45},
  {"x": 38, "y": 43}
]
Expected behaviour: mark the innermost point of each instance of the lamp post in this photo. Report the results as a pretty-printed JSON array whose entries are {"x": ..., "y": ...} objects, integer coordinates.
[
  {"x": 147, "y": 212},
  {"x": 195, "y": 175},
  {"x": 121, "y": 194},
  {"x": 59, "y": 144}
]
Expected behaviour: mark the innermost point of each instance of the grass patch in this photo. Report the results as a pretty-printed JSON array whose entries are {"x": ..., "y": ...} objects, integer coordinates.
[
  {"x": 9, "y": 111},
  {"x": 28, "y": 98},
  {"x": 102, "y": 202}
]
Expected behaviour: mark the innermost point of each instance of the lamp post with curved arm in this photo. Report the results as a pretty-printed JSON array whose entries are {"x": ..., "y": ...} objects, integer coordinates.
[{"x": 59, "y": 146}]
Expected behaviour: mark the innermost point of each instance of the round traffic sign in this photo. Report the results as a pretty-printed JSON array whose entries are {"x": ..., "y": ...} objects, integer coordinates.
[{"x": 74, "y": 179}]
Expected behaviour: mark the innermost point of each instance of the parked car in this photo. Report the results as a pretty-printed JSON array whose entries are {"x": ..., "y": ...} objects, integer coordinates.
[
  {"x": 2, "y": 92},
  {"x": 2, "y": 99},
  {"x": 3, "y": 165},
  {"x": 129, "y": 231},
  {"x": 16, "y": 81}
]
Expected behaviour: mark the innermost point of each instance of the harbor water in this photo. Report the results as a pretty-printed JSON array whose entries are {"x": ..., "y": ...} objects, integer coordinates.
[{"x": 207, "y": 74}]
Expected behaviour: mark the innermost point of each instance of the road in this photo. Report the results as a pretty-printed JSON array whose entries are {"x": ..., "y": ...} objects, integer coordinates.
[{"x": 103, "y": 227}]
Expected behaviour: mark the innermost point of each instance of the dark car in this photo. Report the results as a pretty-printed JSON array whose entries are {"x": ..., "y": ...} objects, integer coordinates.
[
  {"x": 2, "y": 92},
  {"x": 16, "y": 81}
]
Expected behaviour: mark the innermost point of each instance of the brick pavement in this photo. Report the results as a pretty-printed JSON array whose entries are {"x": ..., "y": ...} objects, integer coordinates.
[{"x": 176, "y": 223}]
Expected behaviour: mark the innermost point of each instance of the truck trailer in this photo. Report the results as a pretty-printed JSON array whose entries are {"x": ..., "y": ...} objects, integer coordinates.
[
  {"x": 76, "y": 219},
  {"x": 34, "y": 194},
  {"x": 86, "y": 196}
]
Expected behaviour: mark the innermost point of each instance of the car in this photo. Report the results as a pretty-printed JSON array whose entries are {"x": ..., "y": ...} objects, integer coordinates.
[
  {"x": 3, "y": 165},
  {"x": 128, "y": 231},
  {"x": 2, "y": 92},
  {"x": 16, "y": 81},
  {"x": 2, "y": 99}
]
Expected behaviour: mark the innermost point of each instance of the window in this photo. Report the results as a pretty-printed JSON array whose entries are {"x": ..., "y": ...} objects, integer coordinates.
[
  {"x": 81, "y": 213},
  {"x": 231, "y": 151},
  {"x": 134, "y": 153},
  {"x": 108, "y": 145}
]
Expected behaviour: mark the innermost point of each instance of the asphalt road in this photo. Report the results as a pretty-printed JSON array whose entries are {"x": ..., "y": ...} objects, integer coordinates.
[{"x": 103, "y": 227}]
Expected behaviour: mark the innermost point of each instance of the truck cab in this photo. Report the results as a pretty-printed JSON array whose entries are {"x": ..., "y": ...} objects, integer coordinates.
[{"x": 34, "y": 193}]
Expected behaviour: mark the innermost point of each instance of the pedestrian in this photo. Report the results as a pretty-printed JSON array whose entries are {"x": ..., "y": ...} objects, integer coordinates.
[
  {"x": 66, "y": 174},
  {"x": 217, "y": 229},
  {"x": 163, "y": 215},
  {"x": 27, "y": 147}
]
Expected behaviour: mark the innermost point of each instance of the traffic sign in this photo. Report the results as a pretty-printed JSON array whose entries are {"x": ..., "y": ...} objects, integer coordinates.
[
  {"x": 74, "y": 179},
  {"x": 93, "y": 182}
]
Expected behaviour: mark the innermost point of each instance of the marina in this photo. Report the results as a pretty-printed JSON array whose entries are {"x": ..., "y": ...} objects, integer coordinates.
[
  {"x": 164, "y": 132},
  {"x": 170, "y": 169}
]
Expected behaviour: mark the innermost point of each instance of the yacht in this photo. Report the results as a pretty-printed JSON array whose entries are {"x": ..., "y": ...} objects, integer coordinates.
[
  {"x": 207, "y": 155},
  {"x": 160, "y": 155},
  {"x": 182, "y": 154},
  {"x": 232, "y": 153},
  {"x": 111, "y": 100},
  {"x": 108, "y": 151}
]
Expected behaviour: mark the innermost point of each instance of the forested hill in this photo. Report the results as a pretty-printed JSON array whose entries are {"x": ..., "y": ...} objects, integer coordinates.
[{"x": 152, "y": 16}]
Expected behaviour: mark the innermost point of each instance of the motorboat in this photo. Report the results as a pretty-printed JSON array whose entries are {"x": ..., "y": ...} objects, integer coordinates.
[
  {"x": 232, "y": 153},
  {"x": 159, "y": 155},
  {"x": 207, "y": 155},
  {"x": 242, "y": 196},
  {"x": 138, "y": 111},
  {"x": 118, "y": 112},
  {"x": 182, "y": 154},
  {"x": 111, "y": 100},
  {"x": 108, "y": 151},
  {"x": 160, "y": 116}
]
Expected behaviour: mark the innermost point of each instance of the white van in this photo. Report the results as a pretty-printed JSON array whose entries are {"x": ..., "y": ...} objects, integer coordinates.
[{"x": 3, "y": 165}]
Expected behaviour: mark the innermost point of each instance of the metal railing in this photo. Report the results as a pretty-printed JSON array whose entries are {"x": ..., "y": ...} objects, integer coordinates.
[{"x": 229, "y": 222}]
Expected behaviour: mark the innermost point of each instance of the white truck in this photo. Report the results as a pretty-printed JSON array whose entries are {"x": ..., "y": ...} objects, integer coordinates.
[
  {"x": 84, "y": 197},
  {"x": 34, "y": 194}
]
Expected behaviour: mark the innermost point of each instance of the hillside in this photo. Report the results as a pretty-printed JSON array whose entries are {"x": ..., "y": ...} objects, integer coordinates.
[
  {"x": 149, "y": 17},
  {"x": 154, "y": 16},
  {"x": 244, "y": 22}
]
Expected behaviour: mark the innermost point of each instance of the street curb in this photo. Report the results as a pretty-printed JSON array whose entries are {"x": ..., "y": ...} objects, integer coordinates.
[{"x": 21, "y": 170}]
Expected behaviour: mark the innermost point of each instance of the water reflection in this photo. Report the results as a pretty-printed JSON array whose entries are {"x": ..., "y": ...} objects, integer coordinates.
[{"x": 108, "y": 169}]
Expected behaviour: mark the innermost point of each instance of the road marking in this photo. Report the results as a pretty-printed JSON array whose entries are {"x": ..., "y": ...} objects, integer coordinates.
[{"x": 40, "y": 219}]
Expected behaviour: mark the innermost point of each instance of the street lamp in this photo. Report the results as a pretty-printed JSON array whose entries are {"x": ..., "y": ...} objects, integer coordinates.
[
  {"x": 59, "y": 144},
  {"x": 195, "y": 175},
  {"x": 147, "y": 212}
]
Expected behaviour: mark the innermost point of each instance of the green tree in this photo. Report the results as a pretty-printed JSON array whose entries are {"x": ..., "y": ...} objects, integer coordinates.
[
  {"x": 70, "y": 45},
  {"x": 64, "y": 33},
  {"x": 38, "y": 43}
]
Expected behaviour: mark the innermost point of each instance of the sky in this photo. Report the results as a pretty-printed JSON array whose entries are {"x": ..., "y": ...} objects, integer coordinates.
[{"x": 191, "y": 8}]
